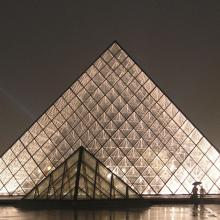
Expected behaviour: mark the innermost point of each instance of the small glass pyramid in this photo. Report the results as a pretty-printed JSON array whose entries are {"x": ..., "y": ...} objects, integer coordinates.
[
  {"x": 82, "y": 176},
  {"x": 118, "y": 113}
]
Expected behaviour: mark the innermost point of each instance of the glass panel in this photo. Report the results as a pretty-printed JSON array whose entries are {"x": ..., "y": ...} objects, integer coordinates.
[
  {"x": 157, "y": 184},
  {"x": 127, "y": 94},
  {"x": 195, "y": 136},
  {"x": 173, "y": 184},
  {"x": 44, "y": 120},
  {"x": 133, "y": 155},
  {"x": 164, "y": 118},
  {"x": 89, "y": 160},
  {"x": 12, "y": 185},
  {"x": 188, "y": 145},
  {"x": 66, "y": 112},
  {"x": 181, "y": 174},
  {"x": 164, "y": 155},
  {"x": 35, "y": 129},
  {"x": 149, "y": 86},
  {"x": 107, "y": 56},
  {"x": 165, "y": 174},
  {"x": 156, "y": 164},
  {"x": 121, "y": 55},
  {"x": 8, "y": 157},
  {"x": 113, "y": 63},
  {"x": 126, "y": 146},
  {"x": 149, "y": 155},
  {"x": 39, "y": 156},
  {"x": 98, "y": 79},
  {"x": 41, "y": 138},
  {"x": 60, "y": 103},
  {"x": 205, "y": 163},
  {"x": 156, "y": 94},
  {"x": 134, "y": 86},
  {"x": 23, "y": 157},
  {"x": 197, "y": 173},
  {"x": 187, "y": 127},
  {"x": 92, "y": 70},
  {"x": 30, "y": 166},
  {"x": 68, "y": 95},
  {"x": 135, "y": 70},
  {"x": 213, "y": 173},
  {"x": 172, "y": 127},
  {"x": 204, "y": 145},
  {"x": 179, "y": 118},
  {"x": 164, "y": 102},
  {"x": 104, "y": 103},
  {"x": 196, "y": 154},
  {"x": 142, "y": 78},
  {"x": 212, "y": 154},
  {"x": 5, "y": 175},
  {"x": 189, "y": 164}
]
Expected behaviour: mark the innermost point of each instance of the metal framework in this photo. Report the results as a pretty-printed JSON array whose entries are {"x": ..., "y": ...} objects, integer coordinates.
[
  {"x": 81, "y": 176},
  {"x": 118, "y": 113}
]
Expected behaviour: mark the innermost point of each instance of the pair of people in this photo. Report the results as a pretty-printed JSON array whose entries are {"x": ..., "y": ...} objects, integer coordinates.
[{"x": 195, "y": 189}]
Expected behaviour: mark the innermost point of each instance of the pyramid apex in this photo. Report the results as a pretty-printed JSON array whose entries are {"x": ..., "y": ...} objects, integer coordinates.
[{"x": 115, "y": 47}]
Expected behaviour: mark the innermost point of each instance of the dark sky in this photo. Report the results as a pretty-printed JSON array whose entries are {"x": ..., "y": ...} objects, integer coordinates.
[{"x": 46, "y": 45}]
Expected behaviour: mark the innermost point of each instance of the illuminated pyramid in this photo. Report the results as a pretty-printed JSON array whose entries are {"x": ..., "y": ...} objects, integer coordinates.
[
  {"x": 82, "y": 176},
  {"x": 125, "y": 121}
]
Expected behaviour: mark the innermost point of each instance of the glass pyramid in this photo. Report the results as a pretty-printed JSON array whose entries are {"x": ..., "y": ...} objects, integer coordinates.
[
  {"x": 127, "y": 122},
  {"x": 82, "y": 176}
]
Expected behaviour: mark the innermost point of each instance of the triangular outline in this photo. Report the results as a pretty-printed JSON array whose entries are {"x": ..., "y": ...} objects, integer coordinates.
[
  {"x": 77, "y": 167},
  {"x": 150, "y": 79}
]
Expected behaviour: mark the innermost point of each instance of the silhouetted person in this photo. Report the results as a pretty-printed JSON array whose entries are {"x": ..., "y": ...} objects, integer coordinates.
[
  {"x": 195, "y": 191},
  {"x": 202, "y": 191},
  {"x": 195, "y": 195}
]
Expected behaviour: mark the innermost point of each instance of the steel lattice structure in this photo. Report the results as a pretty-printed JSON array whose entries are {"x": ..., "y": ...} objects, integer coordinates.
[
  {"x": 81, "y": 176},
  {"x": 118, "y": 113}
]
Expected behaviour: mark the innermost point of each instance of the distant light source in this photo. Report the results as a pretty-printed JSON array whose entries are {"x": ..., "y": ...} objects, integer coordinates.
[
  {"x": 109, "y": 176},
  {"x": 123, "y": 170},
  {"x": 172, "y": 168}
]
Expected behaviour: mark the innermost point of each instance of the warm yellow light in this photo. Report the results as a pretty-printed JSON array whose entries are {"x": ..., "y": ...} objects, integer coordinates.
[
  {"x": 123, "y": 170},
  {"x": 109, "y": 176},
  {"x": 172, "y": 168}
]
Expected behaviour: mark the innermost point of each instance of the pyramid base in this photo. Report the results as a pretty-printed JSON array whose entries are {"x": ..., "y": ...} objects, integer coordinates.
[{"x": 109, "y": 204}]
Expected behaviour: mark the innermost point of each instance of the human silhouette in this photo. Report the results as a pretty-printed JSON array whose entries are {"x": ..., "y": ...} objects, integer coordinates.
[
  {"x": 202, "y": 191},
  {"x": 194, "y": 192},
  {"x": 194, "y": 196}
]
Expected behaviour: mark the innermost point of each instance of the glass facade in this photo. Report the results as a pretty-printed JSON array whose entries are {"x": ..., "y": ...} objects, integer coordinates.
[
  {"x": 82, "y": 176},
  {"x": 127, "y": 122}
]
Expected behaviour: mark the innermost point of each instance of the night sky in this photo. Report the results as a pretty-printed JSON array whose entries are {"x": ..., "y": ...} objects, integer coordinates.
[{"x": 46, "y": 45}]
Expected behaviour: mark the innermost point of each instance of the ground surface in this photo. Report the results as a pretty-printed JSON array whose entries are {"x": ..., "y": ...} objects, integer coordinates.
[{"x": 157, "y": 212}]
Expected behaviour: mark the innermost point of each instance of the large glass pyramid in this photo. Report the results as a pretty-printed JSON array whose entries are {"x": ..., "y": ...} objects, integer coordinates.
[
  {"x": 82, "y": 176},
  {"x": 127, "y": 122}
]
